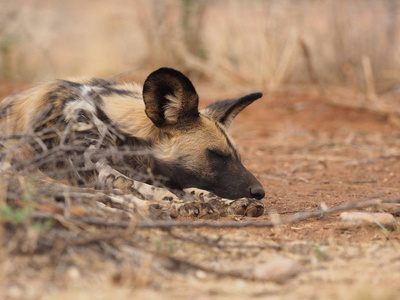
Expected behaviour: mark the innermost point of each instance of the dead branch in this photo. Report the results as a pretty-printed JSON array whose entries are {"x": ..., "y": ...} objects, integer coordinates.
[
  {"x": 360, "y": 101},
  {"x": 281, "y": 221},
  {"x": 119, "y": 76}
]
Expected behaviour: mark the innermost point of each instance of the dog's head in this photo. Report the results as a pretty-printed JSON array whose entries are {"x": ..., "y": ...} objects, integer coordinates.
[{"x": 197, "y": 150}]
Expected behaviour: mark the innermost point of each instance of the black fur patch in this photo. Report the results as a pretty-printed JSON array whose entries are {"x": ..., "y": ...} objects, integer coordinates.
[
  {"x": 101, "y": 82},
  {"x": 108, "y": 88},
  {"x": 5, "y": 110},
  {"x": 70, "y": 83},
  {"x": 102, "y": 115},
  {"x": 64, "y": 92}
]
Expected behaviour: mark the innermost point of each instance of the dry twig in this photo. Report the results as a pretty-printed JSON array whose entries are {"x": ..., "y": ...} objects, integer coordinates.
[{"x": 187, "y": 224}]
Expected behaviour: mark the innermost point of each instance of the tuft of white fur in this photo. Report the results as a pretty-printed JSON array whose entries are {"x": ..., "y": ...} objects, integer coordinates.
[
  {"x": 86, "y": 103},
  {"x": 172, "y": 109}
]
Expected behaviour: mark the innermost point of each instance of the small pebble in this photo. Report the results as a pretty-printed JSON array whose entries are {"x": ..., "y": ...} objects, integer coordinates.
[
  {"x": 278, "y": 270},
  {"x": 201, "y": 274},
  {"x": 359, "y": 219},
  {"x": 73, "y": 273}
]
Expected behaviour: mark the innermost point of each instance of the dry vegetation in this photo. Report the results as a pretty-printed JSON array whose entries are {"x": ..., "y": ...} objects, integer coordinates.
[
  {"x": 324, "y": 139},
  {"x": 257, "y": 43}
]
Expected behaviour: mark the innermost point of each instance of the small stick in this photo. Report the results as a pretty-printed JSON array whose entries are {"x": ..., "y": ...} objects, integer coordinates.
[
  {"x": 369, "y": 78},
  {"x": 311, "y": 69},
  {"x": 123, "y": 74}
]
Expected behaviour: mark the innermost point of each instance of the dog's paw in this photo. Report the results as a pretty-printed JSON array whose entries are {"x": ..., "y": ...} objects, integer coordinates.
[
  {"x": 195, "y": 209},
  {"x": 247, "y": 207},
  {"x": 158, "y": 212}
]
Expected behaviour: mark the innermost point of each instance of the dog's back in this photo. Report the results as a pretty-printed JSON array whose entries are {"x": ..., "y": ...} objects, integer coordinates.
[{"x": 88, "y": 125}]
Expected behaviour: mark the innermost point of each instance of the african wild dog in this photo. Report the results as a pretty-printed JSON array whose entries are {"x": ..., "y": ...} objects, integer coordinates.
[{"x": 184, "y": 146}]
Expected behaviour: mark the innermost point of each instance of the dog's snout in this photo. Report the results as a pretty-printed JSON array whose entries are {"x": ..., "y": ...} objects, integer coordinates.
[{"x": 257, "y": 192}]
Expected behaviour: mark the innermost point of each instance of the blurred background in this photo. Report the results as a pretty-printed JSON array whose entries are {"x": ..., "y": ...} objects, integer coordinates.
[{"x": 269, "y": 45}]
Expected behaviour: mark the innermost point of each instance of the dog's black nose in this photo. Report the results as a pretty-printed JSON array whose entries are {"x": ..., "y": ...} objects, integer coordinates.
[{"x": 257, "y": 192}]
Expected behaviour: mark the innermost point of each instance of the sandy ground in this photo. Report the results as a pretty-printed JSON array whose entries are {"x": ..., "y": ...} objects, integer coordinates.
[{"x": 307, "y": 154}]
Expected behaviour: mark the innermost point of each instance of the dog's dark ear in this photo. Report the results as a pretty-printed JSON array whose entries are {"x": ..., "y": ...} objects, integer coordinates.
[
  {"x": 225, "y": 111},
  {"x": 170, "y": 98}
]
